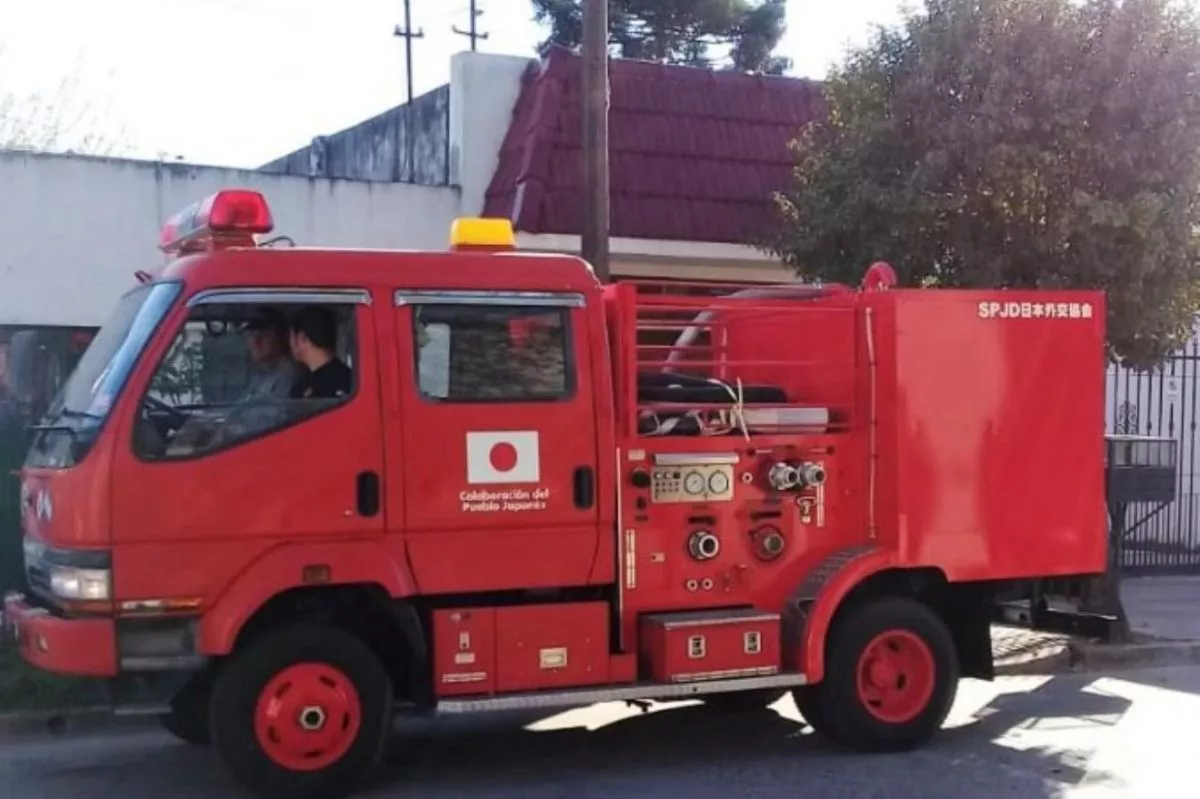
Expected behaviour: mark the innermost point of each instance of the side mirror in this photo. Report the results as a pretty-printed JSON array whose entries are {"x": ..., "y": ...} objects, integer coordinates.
[{"x": 20, "y": 374}]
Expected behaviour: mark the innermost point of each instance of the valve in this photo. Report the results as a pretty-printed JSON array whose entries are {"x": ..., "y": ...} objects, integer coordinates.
[
  {"x": 703, "y": 545},
  {"x": 768, "y": 543},
  {"x": 811, "y": 474},
  {"x": 786, "y": 477},
  {"x": 783, "y": 476}
]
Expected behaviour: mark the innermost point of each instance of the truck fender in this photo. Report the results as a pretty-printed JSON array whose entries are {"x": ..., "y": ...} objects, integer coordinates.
[
  {"x": 825, "y": 587},
  {"x": 281, "y": 568}
]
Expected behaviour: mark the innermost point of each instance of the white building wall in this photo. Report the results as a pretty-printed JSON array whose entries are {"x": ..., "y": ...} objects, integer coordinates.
[
  {"x": 73, "y": 230},
  {"x": 483, "y": 94}
]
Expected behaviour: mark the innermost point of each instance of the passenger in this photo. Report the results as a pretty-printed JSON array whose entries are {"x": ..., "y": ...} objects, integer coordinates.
[{"x": 314, "y": 333}]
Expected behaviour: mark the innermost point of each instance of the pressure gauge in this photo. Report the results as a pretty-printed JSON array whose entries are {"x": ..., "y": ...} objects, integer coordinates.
[
  {"x": 718, "y": 483},
  {"x": 693, "y": 483}
]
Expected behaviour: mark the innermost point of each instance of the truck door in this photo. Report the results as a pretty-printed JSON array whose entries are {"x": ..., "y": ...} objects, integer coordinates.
[
  {"x": 499, "y": 439},
  {"x": 221, "y": 461}
]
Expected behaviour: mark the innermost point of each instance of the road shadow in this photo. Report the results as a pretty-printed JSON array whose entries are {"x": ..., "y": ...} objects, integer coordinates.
[
  {"x": 994, "y": 747},
  {"x": 773, "y": 753}
]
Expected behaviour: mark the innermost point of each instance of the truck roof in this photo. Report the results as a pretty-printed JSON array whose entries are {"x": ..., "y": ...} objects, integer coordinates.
[{"x": 305, "y": 267}]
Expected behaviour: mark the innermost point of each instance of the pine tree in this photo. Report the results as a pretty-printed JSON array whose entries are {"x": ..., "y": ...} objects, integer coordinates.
[{"x": 738, "y": 34}]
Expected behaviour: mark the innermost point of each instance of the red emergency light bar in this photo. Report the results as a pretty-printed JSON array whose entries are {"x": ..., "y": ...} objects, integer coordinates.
[{"x": 229, "y": 218}]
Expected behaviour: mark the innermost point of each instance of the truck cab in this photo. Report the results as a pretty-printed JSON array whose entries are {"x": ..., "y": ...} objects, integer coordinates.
[{"x": 289, "y": 491}]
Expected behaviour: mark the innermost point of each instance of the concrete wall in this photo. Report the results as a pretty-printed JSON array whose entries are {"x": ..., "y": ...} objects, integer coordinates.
[
  {"x": 74, "y": 229},
  {"x": 458, "y": 130},
  {"x": 379, "y": 149}
]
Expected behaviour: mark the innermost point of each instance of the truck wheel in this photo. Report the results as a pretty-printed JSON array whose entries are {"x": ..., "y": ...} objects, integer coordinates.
[
  {"x": 891, "y": 675},
  {"x": 302, "y": 712}
]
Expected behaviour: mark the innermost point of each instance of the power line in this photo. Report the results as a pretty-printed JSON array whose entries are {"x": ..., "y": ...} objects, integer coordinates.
[
  {"x": 408, "y": 35},
  {"x": 471, "y": 33}
]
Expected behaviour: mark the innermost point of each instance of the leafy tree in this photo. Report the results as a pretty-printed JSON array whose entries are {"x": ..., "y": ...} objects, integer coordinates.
[
  {"x": 678, "y": 31},
  {"x": 1016, "y": 143}
]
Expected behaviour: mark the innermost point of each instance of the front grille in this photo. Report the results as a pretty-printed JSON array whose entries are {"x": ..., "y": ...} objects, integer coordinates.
[{"x": 37, "y": 576}]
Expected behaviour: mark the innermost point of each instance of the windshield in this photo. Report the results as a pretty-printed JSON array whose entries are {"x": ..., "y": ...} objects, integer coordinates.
[{"x": 70, "y": 425}]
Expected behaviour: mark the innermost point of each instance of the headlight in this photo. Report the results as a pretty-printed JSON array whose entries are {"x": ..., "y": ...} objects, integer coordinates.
[{"x": 68, "y": 582}]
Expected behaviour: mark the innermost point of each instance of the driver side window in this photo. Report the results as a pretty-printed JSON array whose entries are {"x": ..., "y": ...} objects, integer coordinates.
[{"x": 235, "y": 372}]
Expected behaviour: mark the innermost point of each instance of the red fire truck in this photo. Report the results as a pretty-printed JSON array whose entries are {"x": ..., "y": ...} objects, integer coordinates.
[{"x": 288, "y": 492}]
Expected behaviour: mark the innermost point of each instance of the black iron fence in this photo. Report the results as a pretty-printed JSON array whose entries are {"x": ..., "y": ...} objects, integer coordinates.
[{"x": 1162, "y": 402}]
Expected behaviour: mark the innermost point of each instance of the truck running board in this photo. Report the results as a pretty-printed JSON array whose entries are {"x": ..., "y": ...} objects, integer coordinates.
[{"x": 575, "y": 697}]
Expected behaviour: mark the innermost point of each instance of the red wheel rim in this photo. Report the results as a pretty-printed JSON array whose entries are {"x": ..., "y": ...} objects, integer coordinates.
[
  {"x": 895, "y": 676},
  {"x": 307, "y": 716}
]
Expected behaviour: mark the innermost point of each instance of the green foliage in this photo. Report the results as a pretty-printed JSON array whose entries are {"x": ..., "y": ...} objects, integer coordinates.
[
  {"x": 678, "y": 31},
  {"x": 1015, "y": 143}
]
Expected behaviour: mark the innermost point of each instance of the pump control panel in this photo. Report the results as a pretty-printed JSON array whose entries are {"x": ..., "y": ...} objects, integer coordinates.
[{"x": 692, "y": 483}]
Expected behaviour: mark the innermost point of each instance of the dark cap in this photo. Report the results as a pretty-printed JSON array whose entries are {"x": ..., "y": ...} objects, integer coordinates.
[{"x": 267, "y": 319}]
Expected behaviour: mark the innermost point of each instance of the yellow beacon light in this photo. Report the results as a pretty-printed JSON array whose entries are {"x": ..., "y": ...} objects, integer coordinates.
[{"x": 477, "y": 233}]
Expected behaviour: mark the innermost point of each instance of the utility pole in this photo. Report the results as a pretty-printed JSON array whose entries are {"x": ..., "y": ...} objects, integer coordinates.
[
  {"x": 595, "y": 137},
  {"x": 408, "y": 35},
  {"x": 471, "y": 34}
]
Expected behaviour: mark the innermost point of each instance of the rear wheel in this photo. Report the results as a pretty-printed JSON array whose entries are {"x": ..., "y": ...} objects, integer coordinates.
[
  {"x": 302, "y": 712},
  {"x": 891, "y": 675}
]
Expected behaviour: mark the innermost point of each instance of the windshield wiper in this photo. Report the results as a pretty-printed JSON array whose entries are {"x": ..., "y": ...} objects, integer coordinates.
[
  {"x": 56, "y": 425},
  {"x": 74, "y": 414}
]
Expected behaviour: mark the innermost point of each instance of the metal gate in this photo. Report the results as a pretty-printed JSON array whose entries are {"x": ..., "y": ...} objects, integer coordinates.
[{"x": 1162, "y": 402}]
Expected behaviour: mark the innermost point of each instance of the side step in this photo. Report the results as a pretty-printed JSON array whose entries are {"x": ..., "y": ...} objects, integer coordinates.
[{"x": 576, "y": 697}]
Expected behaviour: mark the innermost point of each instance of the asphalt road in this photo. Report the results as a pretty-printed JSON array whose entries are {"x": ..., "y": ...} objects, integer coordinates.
[{"x": 1081, "y": 737}]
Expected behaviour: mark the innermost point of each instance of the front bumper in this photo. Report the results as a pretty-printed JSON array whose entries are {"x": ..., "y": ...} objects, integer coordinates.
[{"x": 79, "y": 647}]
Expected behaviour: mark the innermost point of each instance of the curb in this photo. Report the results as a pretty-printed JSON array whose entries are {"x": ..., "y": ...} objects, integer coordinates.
[
  {"x": 1090, "y": 656},
  {"x": 1076, "y": 655},
  {"x": 77, "y": 721}
]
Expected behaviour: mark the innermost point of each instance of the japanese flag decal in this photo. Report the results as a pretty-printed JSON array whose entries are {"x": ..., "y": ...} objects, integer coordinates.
[{"x": 508, "y": 457}]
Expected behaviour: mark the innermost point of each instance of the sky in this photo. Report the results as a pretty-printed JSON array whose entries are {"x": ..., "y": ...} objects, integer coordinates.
[{"x": 241, "y": 82}]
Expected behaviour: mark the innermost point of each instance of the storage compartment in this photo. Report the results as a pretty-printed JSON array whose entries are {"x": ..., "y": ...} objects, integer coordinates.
[
  {"x": 464, "y": 651},
  {"x": 552, "y": 646},
  {"x": 709, "y": 645},
  {"x": 991, "y": 449}
]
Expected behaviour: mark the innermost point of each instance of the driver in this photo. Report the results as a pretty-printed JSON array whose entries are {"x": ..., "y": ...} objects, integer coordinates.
[
  {"x": 267, "y": 343},
  {"x": 260, "y": 405}
]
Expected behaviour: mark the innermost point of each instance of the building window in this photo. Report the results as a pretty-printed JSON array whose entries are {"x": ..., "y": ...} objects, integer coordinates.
[
  {"x": 490, "y": 353},
  {"x": 236, "y": 372}
]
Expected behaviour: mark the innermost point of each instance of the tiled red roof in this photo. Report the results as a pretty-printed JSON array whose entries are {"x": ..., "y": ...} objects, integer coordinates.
[{"x": 695, "y": 155}]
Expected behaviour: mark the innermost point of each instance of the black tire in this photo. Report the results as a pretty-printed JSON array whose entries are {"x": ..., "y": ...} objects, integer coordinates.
[
  {"x": 188, "y": 717},
  {"x": 314, "y": 657},
  {"x": 842, "y": 713}
]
